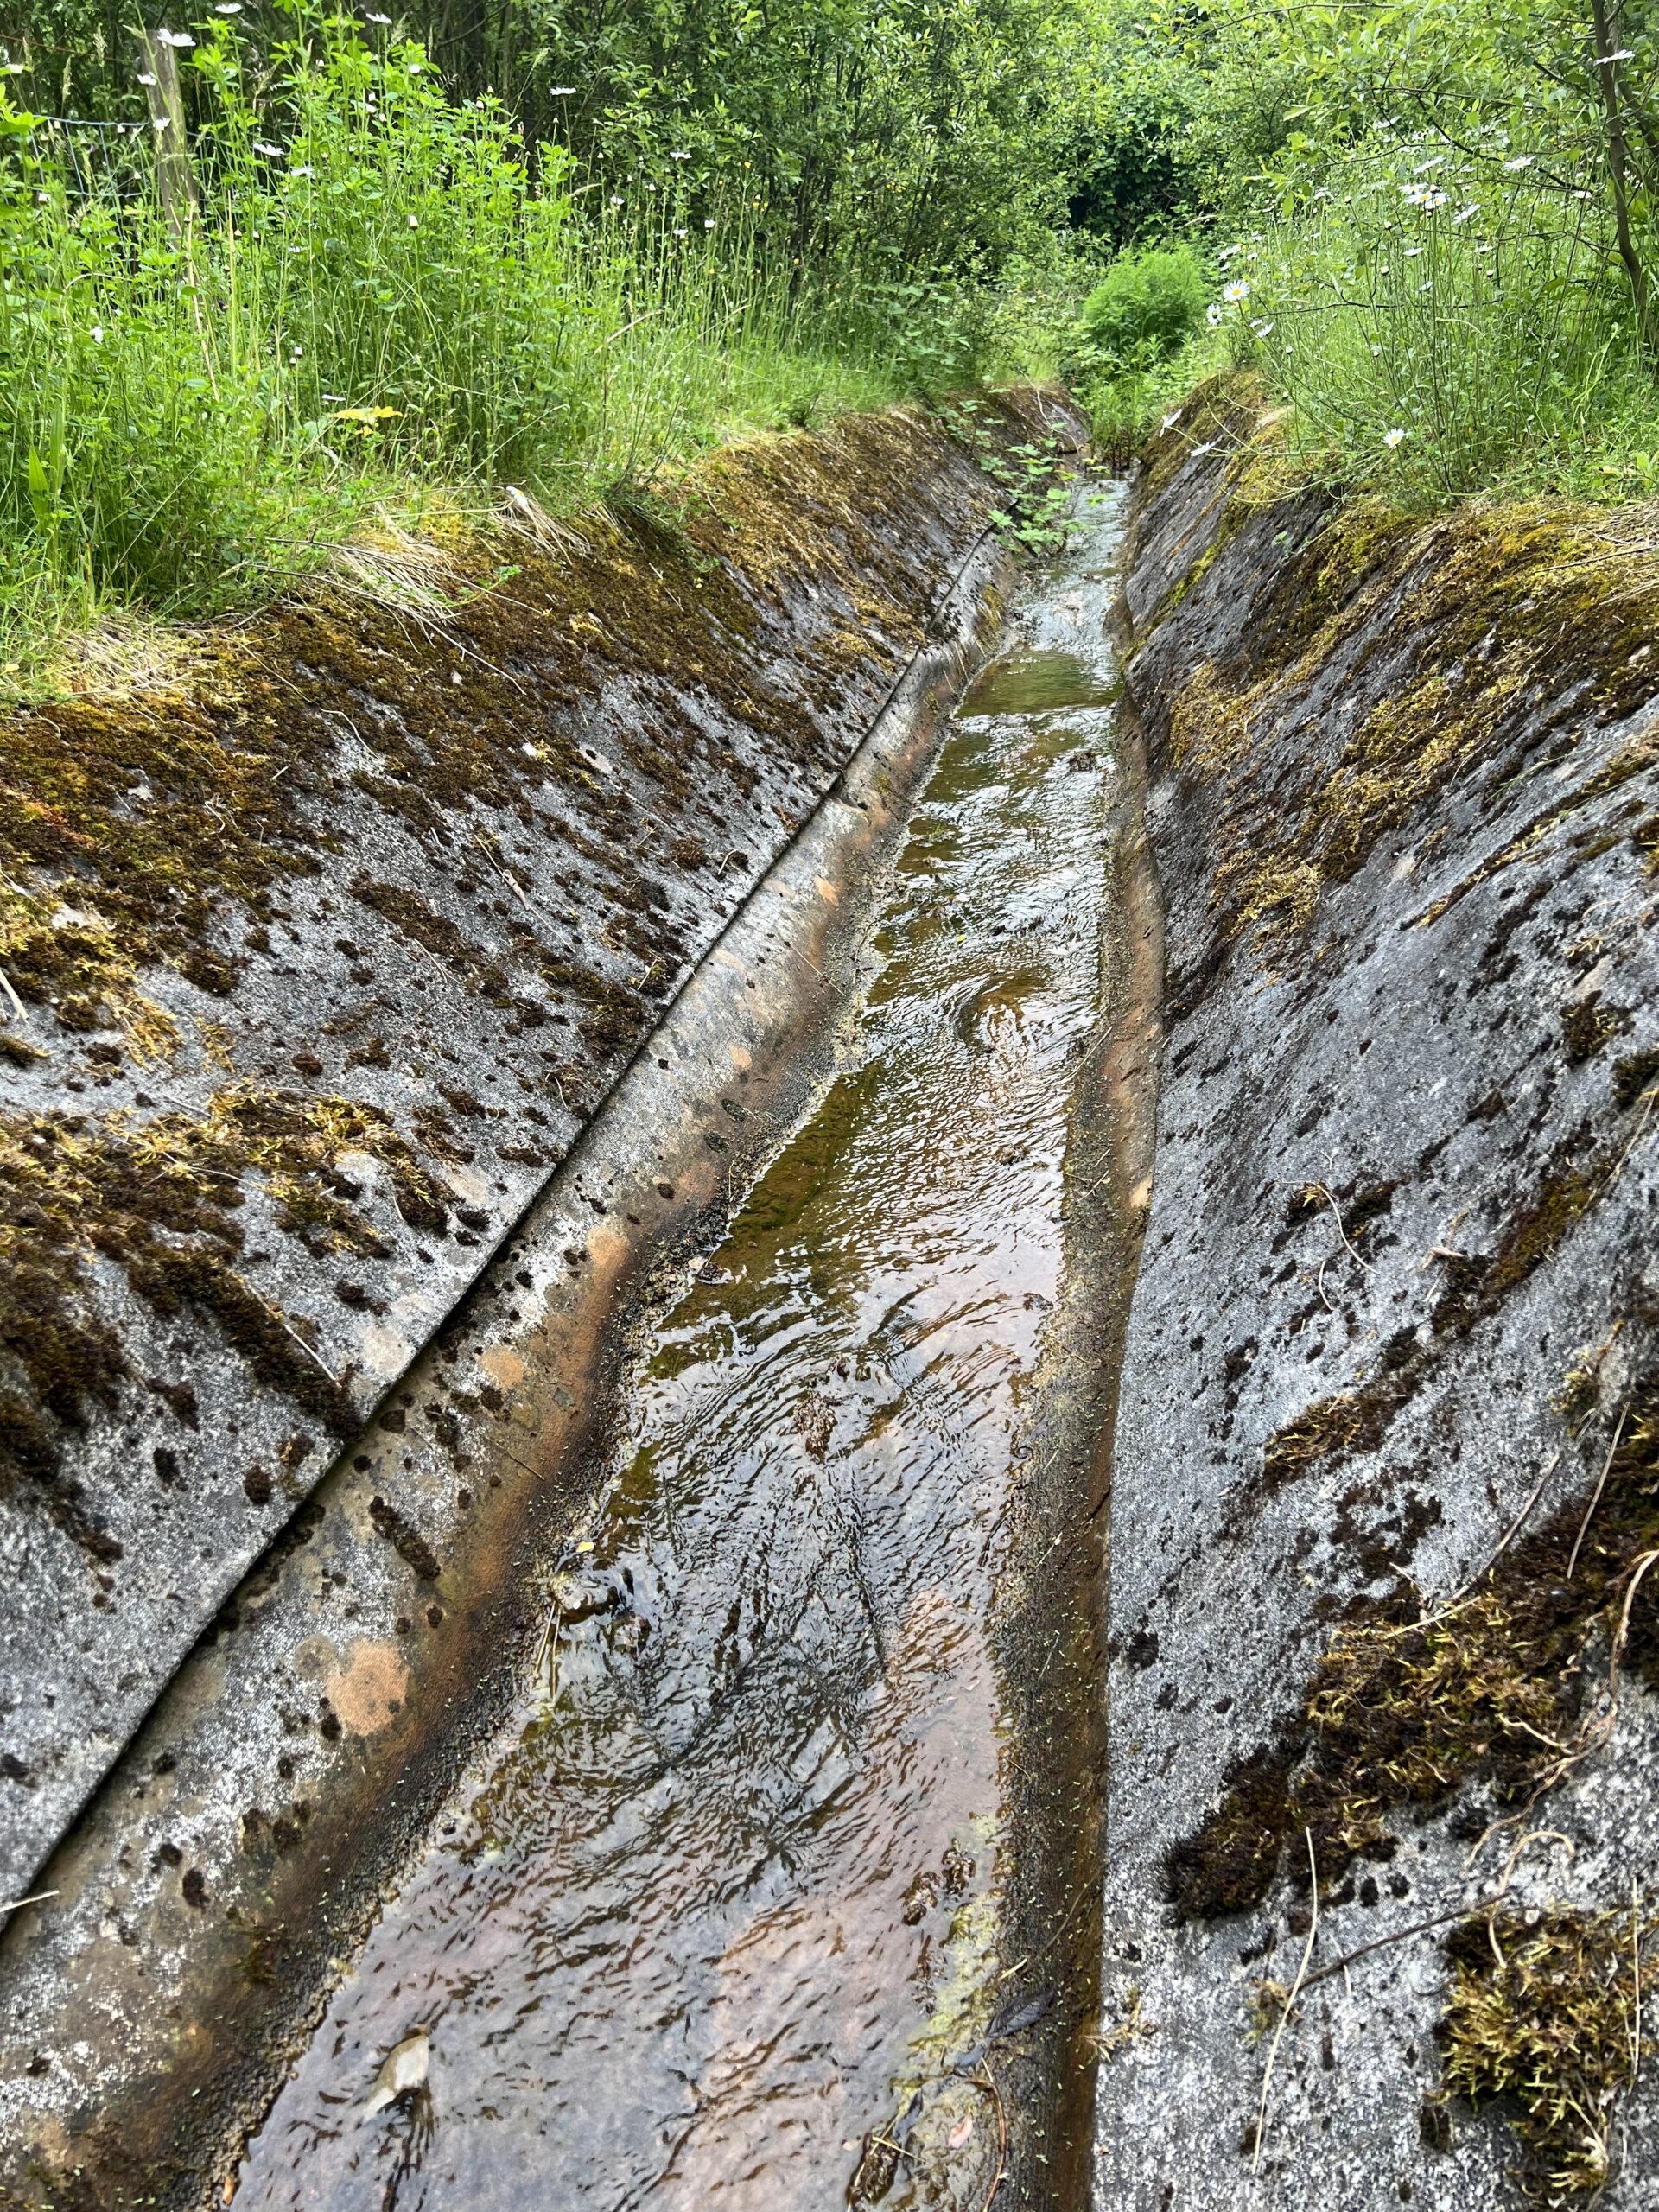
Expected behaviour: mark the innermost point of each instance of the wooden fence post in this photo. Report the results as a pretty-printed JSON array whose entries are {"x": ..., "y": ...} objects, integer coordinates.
[{"x": 159, "y": 75}]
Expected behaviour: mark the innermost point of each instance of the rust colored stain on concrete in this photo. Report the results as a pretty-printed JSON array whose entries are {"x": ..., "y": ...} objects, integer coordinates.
[{"x": 369, "y": 1689}]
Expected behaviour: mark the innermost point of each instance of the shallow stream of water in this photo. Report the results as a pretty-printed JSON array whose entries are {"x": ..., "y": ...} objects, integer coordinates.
[{"x": 725, "y": 1888}]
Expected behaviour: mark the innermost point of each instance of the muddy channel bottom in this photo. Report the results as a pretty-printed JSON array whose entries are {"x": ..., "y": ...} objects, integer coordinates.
[{"x": 724, "y": 1893}]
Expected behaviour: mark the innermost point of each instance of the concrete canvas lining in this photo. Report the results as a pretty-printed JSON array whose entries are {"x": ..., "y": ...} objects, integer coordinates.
[
  {"x": 329, "y": 938},
  {"x": 1395, "y": 1316}
]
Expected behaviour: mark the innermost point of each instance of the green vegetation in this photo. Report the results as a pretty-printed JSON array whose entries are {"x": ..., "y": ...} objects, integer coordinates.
[
  {"x": 1135, "y": 348},
  {"x": 348, "y": 268},
  {"x": 1545, "y": 2014},
  {"x": 320, "y": 291},
  {"x": 1435, "y": 227}
]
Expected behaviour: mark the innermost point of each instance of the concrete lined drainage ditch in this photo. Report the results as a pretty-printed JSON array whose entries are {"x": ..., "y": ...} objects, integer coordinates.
[
  {"x": 717, "y": 1916},
  {"x": 678, "y": 1753},
  {"x": 237, "y": 1856}
]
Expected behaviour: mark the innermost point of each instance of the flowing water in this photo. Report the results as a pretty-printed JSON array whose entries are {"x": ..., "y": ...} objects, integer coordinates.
[{"x": 725, "y": 1889}]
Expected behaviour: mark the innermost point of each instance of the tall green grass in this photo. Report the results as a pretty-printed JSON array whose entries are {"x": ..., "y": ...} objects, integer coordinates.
[
  {"x": 381, "y": 294},
  {"x": 1440, "y": 328}
]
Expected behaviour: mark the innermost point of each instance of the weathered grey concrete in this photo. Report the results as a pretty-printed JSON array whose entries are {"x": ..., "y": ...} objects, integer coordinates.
[
  {"x": 245, "y": 1837},
  {"x": 294, "y": 928},
  {"x": 1385, "y": 1021}
]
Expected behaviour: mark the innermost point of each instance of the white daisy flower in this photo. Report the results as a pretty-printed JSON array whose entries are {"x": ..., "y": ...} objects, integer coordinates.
[
  {"x": 180, "y": 39},
  {"x": 1393, "y": 438},
  {"x": 1520, "y": 162},
  {"x": 1237, "y": 290}
]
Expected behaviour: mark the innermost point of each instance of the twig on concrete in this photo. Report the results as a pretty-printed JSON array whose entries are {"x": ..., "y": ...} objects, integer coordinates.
[
  {"x": 1396, "y": 1936},
  {"x": 39, "y": 1897},
  {"x": 1324, "y": 1191},
  {"x": 505, "y": 873},
  {"x": 1000, "y": 2174},
  {"x": 17, "y": 1003},
  {"x": 1439, "y": 1919},
  {"x": 1601, "y": 1481},
  {"x": 1296, "y": 1986},
  {"x": 309, "y": 1351},
  {"x": 1597, "y": 1730},
  {"x": 1507, "y": 1539},
  {"x": 1635, "y": 1971}
]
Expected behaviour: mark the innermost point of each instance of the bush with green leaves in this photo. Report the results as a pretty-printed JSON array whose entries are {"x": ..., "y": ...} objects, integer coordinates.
[
  {"x": 1440, "y": 328},
  {"x": 381, "y": 295},
  {"x": 1441, "y": 226},
  {"x": 1147, "y": 306}
]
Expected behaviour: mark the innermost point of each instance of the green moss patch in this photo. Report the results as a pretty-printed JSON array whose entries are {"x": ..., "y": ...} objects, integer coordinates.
[
  {"x": 159, "y": 1199},
  {"x": 1518, "y": 616},
  {"x": 1408, "y": 1704},
  {"x": 1542, "y": 2020}
]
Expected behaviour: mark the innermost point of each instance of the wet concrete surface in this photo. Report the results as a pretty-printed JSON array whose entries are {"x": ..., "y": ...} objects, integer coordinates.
[
  {"x": 1377, "y": 1091},
  {"x": 717, "y": 1917},
  {"x": 333, "y": 932}
]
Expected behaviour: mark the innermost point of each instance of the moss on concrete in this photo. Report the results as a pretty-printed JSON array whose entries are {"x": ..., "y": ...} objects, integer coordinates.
[
  {"x": 1543, "y": 2019},
  {"x": 1509, "y": 607},
  {"x": 156, "y": 817},
  {"x": 1407, "y": 1702}
]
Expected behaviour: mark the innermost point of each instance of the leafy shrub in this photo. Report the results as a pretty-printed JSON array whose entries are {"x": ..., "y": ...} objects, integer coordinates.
[
  {"x": 1440, "y": 330},
  {"x": 1145, "y": 306}
]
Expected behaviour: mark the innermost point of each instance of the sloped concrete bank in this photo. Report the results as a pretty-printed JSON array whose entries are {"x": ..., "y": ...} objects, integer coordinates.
[
  {"x": 307, "y": 1033},
  {"x": 1386, "y": 1490}
]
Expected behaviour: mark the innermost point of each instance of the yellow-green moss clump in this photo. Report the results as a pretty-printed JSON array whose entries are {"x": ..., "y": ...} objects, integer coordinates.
[
  {"x": 1542, "y": 2017},
  {"x": 127, "y": 1190},
  {"x": 1407, "y": 1704}
]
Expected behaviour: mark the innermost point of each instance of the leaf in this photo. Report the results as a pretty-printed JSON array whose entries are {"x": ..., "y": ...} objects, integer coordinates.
[{"x": 403, "y": 2068}]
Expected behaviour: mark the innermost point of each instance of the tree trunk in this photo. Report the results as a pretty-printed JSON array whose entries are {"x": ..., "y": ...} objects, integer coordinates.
[{"x": 1605, "y": 19}]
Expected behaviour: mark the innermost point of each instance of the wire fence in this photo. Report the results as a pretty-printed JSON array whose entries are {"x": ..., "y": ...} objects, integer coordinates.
[{"x": 99, "y": 159}]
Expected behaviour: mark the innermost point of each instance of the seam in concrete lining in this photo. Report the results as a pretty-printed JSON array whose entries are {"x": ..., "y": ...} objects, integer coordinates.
[{"x": 755, "y": 750}]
